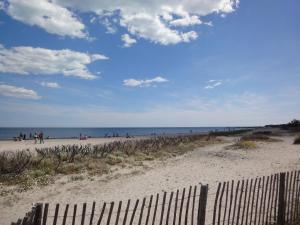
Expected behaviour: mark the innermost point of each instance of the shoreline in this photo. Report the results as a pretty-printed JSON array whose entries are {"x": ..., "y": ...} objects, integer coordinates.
[{"x": 110, "y": 134}]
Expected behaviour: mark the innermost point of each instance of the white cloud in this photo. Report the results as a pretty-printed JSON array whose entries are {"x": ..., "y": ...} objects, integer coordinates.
[
  {"x": 213, "y": 84},
  {"x": 143, "y": 83},
  {"x": 50, "y": 84},
  {"x": 48, "y": 15},
  {"x": 17, "y": 92},
  {"x": 29, "y": 60},
  {"x": 128, "y": 41},
  {"x": 151, "y": 20},
  {"x": 186, "y": 21}
]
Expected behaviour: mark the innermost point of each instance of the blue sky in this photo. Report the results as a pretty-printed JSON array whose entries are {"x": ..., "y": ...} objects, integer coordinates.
[{"x": 160, "y": 63}]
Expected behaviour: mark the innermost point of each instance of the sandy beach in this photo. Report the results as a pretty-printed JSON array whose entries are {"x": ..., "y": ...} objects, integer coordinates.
[
  {"x": 10, "y": 145},
  {"x": 206, "y": 165}
]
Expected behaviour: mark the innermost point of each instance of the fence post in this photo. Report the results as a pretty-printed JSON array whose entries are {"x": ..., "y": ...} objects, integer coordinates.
[
  {"x": 38, "y": 214},
  {"x": 281, "y": 200},
  {"x": 202, "y": 205}
]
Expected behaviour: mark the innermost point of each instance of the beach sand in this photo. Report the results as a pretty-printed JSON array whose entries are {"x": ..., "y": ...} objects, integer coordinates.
[
  {"x": 206, "y": 165},
  {"x": 9, "y": 145}
]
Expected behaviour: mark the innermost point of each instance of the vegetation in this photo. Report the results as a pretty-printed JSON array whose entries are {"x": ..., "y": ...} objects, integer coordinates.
[
  {"x": 294, "y": 125},
  {"x": 258, "y": 137},
  {"x": 297, "y": 139},
  {"x": 243, "y": 145},
  {"x": 26, "y": 169}
]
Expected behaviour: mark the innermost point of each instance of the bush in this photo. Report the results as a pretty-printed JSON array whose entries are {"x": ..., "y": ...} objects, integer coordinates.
[
  {"x": 243, "y": 145},
  {"x": 297, "y": 139}
]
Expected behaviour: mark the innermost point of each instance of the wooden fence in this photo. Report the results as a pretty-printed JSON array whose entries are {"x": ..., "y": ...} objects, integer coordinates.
[
  {"x": 261, "y": 201},
  {"x": 185, "y": 206},
  {"x": 270, "y": 200}
]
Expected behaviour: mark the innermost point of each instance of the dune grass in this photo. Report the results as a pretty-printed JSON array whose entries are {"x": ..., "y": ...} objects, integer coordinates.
[{"x": 26, "y": 169}]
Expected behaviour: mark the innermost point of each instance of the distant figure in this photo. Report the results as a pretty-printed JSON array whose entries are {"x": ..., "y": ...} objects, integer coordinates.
[
  {"x": 35, "y": 138},
  {"x": 30, "y": 136},
  {"x": 21, "y": 137},
  {"x": 41, "y": 137},
  {"x": 127, "y": 135},
  {"x": 24, "y": 137}
]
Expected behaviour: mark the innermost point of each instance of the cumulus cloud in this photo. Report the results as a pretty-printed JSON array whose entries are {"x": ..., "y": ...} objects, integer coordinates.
[
  {"x": 17, "y": 92},
  {"x": 158, "y": 21},
  {"x": 143, "y": 83},
  {"x": 29, "y": 60},
  {"x": 128, "y": 41},
  {"x": 50, "y": 84},
  {"x": 186, "y": 21},
  {"x": 213, "y": 84},
  {"x": 48, "y": 15}
]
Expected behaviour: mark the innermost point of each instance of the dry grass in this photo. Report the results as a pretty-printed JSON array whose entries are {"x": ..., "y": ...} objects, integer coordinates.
[
  {"x": 259, "y": 137},
  {"x": 243, "y": 145},
  {"x": 26, "y": 170}
]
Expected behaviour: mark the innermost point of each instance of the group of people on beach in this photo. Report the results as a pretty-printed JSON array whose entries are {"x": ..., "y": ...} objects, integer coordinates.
[{"x": 37, "y": 137}]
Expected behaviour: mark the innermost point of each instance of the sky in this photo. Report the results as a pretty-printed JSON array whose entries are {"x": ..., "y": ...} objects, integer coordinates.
[{"x": 102, "y": 63}]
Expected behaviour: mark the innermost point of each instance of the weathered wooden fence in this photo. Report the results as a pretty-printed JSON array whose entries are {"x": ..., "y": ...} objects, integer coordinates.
[
  {"x": 185, "y": 206},
  {"x": 270, "y": 200},
  {"x": 261, "y": 201}
]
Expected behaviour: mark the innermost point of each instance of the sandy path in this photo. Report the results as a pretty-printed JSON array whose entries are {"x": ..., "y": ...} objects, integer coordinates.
[
  {"x": 207, "y": 165},
  {"x": 29, "y": 144}
]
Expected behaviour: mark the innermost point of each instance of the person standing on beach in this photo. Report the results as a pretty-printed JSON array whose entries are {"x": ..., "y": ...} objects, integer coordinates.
[
  {"x": 35, "y": 138},
  {"x": 41, "y": 136}
]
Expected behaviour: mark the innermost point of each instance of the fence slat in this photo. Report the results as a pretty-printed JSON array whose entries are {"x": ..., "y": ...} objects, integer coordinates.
[
  {"x": 269, "y": 199},
  {"x": 293, "y": 207},
  {"x": 83, "y": 213},
  {"x": 231, "y": 199},
  {"x": 220, "y": 203},
  {"x": 169, "y": 208},
  {"x": 297, "y": 197},
  {"x": 74, "y": 215},
  {"x": 235, "y": 201},
  {"x": 92, "y": 213},
  {"x": 281, "y": 200},
  {"x": 110, "y": 212},
  {"x": 257, "y": 200},
  {"x": 187, "y": 206},
  {"x": 240, "y": 202},
  {"x": 126, "y": 212},
  {"x": 118, "y": 212},
  {"x": 249, "y": 201},
  {"x": 45, "y": 214},
  {"x": 149, "y": 210},
  {"x": 181, "y": 206},
  {"x": 142, "y": 211},
  {"x": 155, "y": 209},
  {"x": 261, "y": 200},
  {"x": 226, "y": 202},
  {"x": 101, "y": 214},
  {"x": 56, "y": 214},
  {"x": 289, "y": 197},
  {"x": 216, "y": 203},
  {"x": 265, "y": 198},
  {"x": 163, "y": 208},
  {"x": 133, "y": 213},
  {"x": 175, "y": 208},
  {"x": 193, "y": 205},
  {"x": 202, "y": 205},
  {"x": 65, "y": 215},
  {"x": 245, "y": 202}
]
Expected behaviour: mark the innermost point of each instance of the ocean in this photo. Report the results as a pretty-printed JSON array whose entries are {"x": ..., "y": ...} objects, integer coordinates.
[{"x": 10, "y": 133}]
